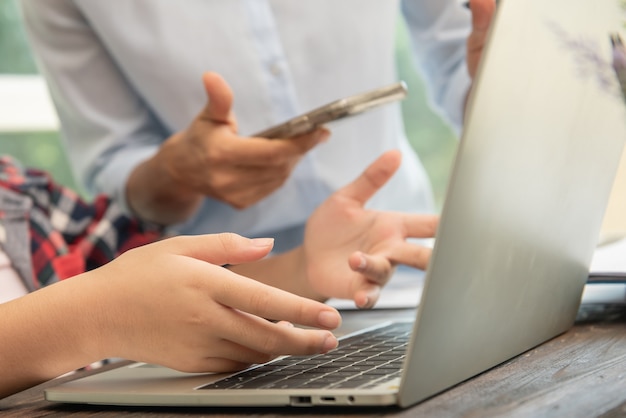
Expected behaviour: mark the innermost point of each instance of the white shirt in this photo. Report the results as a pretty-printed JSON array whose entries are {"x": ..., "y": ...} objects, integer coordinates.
[{"x": 126, "y": 75}]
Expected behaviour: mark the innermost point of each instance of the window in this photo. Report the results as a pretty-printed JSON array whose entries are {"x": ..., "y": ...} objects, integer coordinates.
[{"x": 433, "y": 140}]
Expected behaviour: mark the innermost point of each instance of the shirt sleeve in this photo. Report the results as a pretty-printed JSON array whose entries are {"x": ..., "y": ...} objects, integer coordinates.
[
  {"x": 438, "y": 31},
  {"x": 107, "y": 127}
]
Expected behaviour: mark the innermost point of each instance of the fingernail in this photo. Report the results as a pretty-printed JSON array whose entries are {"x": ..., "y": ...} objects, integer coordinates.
[
  {"x": 330, "y": 343},
  {"x": 373, "y": 294},
  {"x": 372, "y": 297},
  {"x": 262, "y": 242},
  {"x": 323, "y": 135},
  {"x": 329, "y": 319},
  {"x": 362, "y": 263}
]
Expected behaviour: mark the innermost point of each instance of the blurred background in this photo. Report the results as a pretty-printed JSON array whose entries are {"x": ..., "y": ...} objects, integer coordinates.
[
  {"x": 28, "y": 123},
  {"x": 29, "y": 128}
]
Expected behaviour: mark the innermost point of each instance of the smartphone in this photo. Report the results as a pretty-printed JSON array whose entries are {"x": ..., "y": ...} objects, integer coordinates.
[{"x": 339, "y": 109}]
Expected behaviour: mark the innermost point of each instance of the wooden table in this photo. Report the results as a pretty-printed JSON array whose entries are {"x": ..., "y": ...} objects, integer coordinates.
[{"x": 581, "y": 373}]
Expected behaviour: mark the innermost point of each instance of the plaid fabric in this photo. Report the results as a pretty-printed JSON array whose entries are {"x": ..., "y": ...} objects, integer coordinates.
[{"x": 66, "y": 235}]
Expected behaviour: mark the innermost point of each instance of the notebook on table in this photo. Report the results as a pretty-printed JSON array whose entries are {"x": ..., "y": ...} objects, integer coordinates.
[{"x": 532, "y": 175}]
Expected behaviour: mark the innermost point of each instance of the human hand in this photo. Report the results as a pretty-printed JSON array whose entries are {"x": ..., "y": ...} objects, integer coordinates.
[
  {"x": 211, "y": 159},
  {"x": 482, "y": 15},
  {"x": 350, "y": 252},
  {"x": 172, "y": 303}
]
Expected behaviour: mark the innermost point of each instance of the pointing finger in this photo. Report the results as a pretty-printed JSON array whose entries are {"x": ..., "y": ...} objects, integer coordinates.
[
  {"x": 264, "y": 301},
  {"x": 373, "y": 178}
]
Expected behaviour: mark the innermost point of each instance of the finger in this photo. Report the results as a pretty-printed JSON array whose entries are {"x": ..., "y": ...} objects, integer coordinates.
[
  {"x": 211, "y": 364},
  {"x": 373, "y": 178},
  {"x": 320, "y": 132},
  {"x": 412, "y": 255},
  {"x": 220, "y": 98},
  {"x": 420, "y": 225},
  {"x": 262, "y": 152},
  {"x": 253, "y": 152},
  {"x": 243, "y": 180},
  {"x": 240, "y": 353},
  {"x": 241, "y": 194},
  {"x": 482, "y": 15},
  {"x": 367, "y": 296},
  {"x": 379, "y": 269},
  {"x": 219, "y": 249},
  {"x": 264, "y": 301},
  {"x": 376, "y": 269},
  {"x": 272, "y": 338},
  {"x": 224, "y": 356}
]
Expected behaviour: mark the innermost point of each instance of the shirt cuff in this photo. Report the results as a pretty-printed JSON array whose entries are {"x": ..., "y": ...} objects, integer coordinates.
[{"x": 112, "y": 179}]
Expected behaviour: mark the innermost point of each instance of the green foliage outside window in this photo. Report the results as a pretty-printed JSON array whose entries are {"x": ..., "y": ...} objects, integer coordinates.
[
  {"x": 14, "y": 55},
  {"x": 432, "y": 138}
]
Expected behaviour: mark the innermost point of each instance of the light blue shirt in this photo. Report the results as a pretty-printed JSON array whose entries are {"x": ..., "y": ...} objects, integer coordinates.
[{"x": 125, "y": 75}]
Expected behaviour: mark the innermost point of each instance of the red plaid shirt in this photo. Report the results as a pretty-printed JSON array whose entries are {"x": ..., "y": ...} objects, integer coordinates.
[{"x": 50, "y": 233}]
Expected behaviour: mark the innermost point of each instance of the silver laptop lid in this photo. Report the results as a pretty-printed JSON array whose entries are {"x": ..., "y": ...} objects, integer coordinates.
[
  {"x": 544, "y": 134},
  {"x": 543, "y": 137}
]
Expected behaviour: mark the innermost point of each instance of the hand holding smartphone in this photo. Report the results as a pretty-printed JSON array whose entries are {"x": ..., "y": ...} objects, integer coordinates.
[{"x": 338, "y": 109}]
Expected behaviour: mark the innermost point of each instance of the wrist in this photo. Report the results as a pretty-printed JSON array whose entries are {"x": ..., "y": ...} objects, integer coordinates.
[
  {"x": 56, "y": 333},
  {"x": 305, "y": 275},
  {"x": 85, "y": 304},
  {"x": 155, "y": 192}
]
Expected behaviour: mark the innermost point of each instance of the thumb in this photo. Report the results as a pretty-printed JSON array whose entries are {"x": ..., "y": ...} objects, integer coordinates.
[
  {"x": 220, "y": 98},
  {"x": 219, "y": 249},
  {"x": 373, "y": 178},
  {"x": 482, "y": 15}
]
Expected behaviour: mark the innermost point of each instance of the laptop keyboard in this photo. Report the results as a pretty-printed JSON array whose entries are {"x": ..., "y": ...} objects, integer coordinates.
[{"x": 361, "y": 361}]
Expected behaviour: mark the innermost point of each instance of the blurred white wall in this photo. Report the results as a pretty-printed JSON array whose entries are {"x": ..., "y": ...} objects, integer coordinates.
[{"x": 25, "y": 105}]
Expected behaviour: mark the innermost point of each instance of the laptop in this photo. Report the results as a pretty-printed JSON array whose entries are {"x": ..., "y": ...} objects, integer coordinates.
[{"x": 544, "y": 133}]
